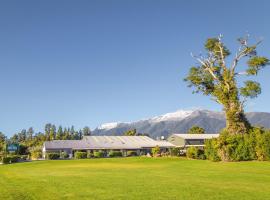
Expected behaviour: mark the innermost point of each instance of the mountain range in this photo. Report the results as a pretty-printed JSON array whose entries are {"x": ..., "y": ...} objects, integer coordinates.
[{"x": 179, "y": 122}]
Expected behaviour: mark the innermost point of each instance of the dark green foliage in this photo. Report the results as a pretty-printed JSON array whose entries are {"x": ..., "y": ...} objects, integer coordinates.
[
  {"x": 256, "y": 63},
  {"x": 24, "y": 157},
  {"x": 252, "y": 146},
  {"x": 52, "y": 156},
  {"x": 115, "y": 154},
  {"x": 86, "y": 131},
  {"x": 174, "y": 151},
  {"x": 90, "y": 154},
  {"x": 211, "y": 150},
  {"x": 252, "y": 89},
  {"x": 80, "y": 155},
  {"x": 156, "y": 151},
  {"x": 196, "y": 130},
  {"x": 64, "y": 155},
  {"x": 130, "y": 132},
  {"x": 11, "y": 159},
  {"x": 195, "y": 153},
  {"x": 131, "y": 153},
  {"x": 35, "y": 152},
  {"x": 99, "y": 154}
]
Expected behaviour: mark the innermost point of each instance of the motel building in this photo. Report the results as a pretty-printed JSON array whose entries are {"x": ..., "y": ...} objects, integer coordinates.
[
  {"x": 141, "y": 144},
  {"x": 188, "y": 140}
]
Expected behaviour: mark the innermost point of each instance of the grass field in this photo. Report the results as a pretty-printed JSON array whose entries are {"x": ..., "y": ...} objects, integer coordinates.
[{"x": 135, "y": 178}]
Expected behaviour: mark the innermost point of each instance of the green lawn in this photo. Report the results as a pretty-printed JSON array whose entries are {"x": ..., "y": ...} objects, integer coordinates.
[{"x": 135, "y": 178}]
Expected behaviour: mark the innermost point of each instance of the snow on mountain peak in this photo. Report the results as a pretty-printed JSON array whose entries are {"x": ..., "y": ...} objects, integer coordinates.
[
  {"x": 108, "y": 126},
  {"x": 173, "y": 116}
]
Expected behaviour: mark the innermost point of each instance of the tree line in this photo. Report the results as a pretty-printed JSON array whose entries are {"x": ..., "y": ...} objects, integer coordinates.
[{"x": 28, "y": 138}]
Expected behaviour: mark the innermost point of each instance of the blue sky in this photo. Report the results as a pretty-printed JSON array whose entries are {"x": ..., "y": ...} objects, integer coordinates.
[{"x": 90, "y": 62}]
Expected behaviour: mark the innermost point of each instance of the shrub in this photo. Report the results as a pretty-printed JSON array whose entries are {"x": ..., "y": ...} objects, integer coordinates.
[
  {"x": 174, "y": 151},
  {"x": 211, "y": 150},
  {"x": 80, "y": 155},
  {"x": 131, "y": 153},
  {"x": 254, "y": 145},
  {"x": 262, "y": 147},
  {"x": 115, "y": 154},
  {"x": 10, "y": 159},
  {"x": 195, "y": 153},
  {"x": 36, "y": 153},
  {"x": 52, "y": 156},
  {"x": 6, "y": 160},
  {"x": 64, "y": 155},
  {"x": 99, "y": 154},
  {"x": 24, "y": 157},
  {"x": 90, "y": 154},
  {"x": 156, "y": 151}
]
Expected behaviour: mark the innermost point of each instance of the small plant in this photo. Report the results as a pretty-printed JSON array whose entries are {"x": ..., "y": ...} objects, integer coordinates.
[
  {"x": 52, "y": 156},
  {"x": 80, "y": 155},
  {"x": 99, "y": 154},
  {"x": 195, "y": 153},
  {"x": 64, "y": 155},
  {"x": 131, "y": 153},
  {"x": 156, "y": 151},
  {"x": 90, "y": 154},
  {"x": 36, "y": 153},
  {"x": 174, "y": 151},
  {"x": 115, "y": 154},
  {"x": 10, "y": 159}
]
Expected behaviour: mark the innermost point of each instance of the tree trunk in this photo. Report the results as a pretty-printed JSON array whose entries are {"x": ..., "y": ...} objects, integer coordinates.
[{"x": 236, "y": 121}]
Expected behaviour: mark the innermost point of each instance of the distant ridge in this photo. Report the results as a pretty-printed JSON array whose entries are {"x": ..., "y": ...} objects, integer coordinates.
[{"x": 179, "y": 122}]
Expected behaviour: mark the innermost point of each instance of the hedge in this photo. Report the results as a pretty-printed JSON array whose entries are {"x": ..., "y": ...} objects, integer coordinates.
[
  {"x": 11, "y": 159},
  {"x": 195, "y": 153},
  {"x": 115, "y": 154},
  {"x": 52, "y": 156},
  {"x": 254, "y": 145},
  {"x": 80, "y": 155},
  {"x": 99, "y": 154},
  {"x": 64, "y": 155},
  {"x": 131, "y": 153}
]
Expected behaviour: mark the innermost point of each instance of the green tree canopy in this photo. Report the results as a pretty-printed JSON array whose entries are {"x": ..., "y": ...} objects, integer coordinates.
[
  {"x": 196, "y": 130},
  {"x": 130, "y": 132}
]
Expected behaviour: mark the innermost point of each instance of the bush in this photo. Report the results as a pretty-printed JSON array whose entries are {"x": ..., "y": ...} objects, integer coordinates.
[
  {"x": 90, "y": 154},
  {"x": 174, "y": 151},
  {"x": 24, "y": 157},
  {"x": 64, "y": 155},
  {"x": 195, "y": 153},
  {"x": 6, "y": 160},
  {"x": 99, "y": 154},
  {"x": 262, "y": 147},
  {"x": 131, "y": 153},
  {"x": 254, "y": 145},
  {"x": 10, "y": 159},
  {"x": 115, "y": 154},
  {"x": 36, "y": 153},
  {"x": 52, "y": 156},
  {"x": 211, "y": 150},
  {"x": 156, "y": 151},
  {"x": 80, "y": 155}
]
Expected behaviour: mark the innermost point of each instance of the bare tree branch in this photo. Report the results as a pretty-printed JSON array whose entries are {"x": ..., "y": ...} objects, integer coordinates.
[{"x": 207, "y": 64}]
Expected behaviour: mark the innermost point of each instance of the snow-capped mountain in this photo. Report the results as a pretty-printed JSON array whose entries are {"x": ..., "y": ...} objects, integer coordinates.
[
  {"x": 174, "y": 116},
  {"x": 179, "y": 122},
  {"x": 108, "y": 126}
]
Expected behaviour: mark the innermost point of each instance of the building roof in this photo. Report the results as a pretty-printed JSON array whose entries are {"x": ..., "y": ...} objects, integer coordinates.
[
  {"x": 196, "y": 136},
  {"x": 107, "y": 142}
]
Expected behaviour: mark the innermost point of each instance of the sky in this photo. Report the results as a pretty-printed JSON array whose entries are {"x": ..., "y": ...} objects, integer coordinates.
[{"x": 92, "y": 62}]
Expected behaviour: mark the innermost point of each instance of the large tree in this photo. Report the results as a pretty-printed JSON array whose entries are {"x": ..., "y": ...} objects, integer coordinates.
[
  {"x": 214, "y": 77},
  {"x": 196, "y": 130}
]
